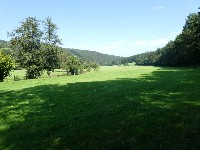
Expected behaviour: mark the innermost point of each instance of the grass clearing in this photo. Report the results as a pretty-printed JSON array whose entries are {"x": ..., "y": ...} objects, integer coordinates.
[
  {"x": 16, "y": 75},
  {"x": 128, "y": 107}
]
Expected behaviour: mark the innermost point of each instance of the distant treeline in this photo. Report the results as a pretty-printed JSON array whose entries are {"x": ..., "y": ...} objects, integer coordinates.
[
  {"x": 183, "y": 51},
  {"x": 66, "y": 59},
  {"x": 84, "y": 55},
  {"x": 99, "y": 58}
]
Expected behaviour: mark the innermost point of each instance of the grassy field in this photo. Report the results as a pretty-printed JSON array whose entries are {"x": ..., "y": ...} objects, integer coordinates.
[
  {"x": 115, "y": 108},
  {"x": 17, "y": 75}
]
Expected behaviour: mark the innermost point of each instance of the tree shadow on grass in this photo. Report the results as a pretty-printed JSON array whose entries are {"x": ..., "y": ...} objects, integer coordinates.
[{"x": 156, "y": 111}]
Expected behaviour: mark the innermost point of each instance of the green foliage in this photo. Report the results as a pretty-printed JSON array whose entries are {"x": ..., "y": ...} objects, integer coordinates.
[
  {"x": 50, "y": 48},
  {"x": 147, "y": 59},
  {"x": 4, "y": 44},
  {"x": 50, "y": 36},
  {"x": 38, "y": 49},
  {"x": 94, "y": 66},
  {"x": 27, "y": 40},
  {"x": 6, "y": 64},
  {"x": 73, "y": 65},
  {"x": 51, "y": 56},
  {"x": 183, "y": 51},
  {"x": 98, "y": 58},
  {"x": 124, "y": 61},
  {"x": 7, "y": 51}
]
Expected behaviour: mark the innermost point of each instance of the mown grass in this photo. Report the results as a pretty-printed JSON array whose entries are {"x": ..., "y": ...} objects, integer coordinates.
[
  {"x": 115, "y": 108},
  {"x": 16, "y": 75}
]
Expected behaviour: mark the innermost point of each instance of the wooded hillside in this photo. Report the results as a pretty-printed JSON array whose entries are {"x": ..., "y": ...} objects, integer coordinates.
[
  {"x": 99, "y": 58},
  {"x": 183, "y": 51}
]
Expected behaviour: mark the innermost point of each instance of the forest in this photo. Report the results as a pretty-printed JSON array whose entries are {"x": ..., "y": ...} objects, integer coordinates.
[
  {"x": 99, "y": 58},
  {"x": 183, "y": 51}
]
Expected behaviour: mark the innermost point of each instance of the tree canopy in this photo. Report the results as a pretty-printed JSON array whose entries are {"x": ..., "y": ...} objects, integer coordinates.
[
  {"x": 99, "y": 58},
  {"x": 27, "y": 40},
  {"x": 6, "y": 64},
  {"x": 50, "y": 45},
  {"x": 183, "y": 51}
]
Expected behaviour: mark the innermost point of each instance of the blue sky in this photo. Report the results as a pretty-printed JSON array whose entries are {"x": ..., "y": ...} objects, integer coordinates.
[{"x": 117, "y": 27}]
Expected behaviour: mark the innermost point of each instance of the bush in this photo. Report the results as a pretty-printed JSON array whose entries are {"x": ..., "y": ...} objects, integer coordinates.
[{"x": 6, "y": 64}]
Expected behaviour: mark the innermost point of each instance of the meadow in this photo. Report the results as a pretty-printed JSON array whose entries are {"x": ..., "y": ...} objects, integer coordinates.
[{"x": 131, "y": 107}]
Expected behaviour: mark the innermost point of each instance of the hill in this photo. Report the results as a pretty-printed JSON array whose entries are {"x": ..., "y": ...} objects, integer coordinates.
[
  {"x": 4, "y": 44},
  {"x": 86, "y": 55},
  {"x": 184, "y": 50},
  {"x": 99, "y": 58}
]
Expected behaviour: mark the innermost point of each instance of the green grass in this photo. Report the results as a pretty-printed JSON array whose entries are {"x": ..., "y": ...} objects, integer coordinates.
[
  {"x": 115, "y": 108},
  {"x": 21, "y": 74}
]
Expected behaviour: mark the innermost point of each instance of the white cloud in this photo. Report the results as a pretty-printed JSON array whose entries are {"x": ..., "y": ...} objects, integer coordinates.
[
  {"x": 81, "y": 46},
  {"x": 123, "y": 48},
  {"x": 158, "y": 8},
  {"x": 113, "y": 47},
  {"x": 154, "y": 42},
  {"x": 158, "y": 42},
  {"x": 128, "y": 48},
  {"x": 139, "y": 43}
]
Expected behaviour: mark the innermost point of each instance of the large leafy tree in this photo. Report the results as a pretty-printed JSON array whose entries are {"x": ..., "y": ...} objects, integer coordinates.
[
  {"x": 191, "y": 38},
  {"x": 27, "y": 40},
  {"x": 6, "y": 64},
  {"x": 185, "y": 49},
  {"x": 50, "y": 46}
]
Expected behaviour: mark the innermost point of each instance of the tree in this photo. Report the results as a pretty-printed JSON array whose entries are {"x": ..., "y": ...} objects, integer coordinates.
[
  {"x": 72, "y": 65},
  {"x": 50, "y": 35},
  {"x": 51, "y": 57},
  {"x": 51, "y": 50},
  {"x": 183, "y": 51},
  {"x": 94, "y": 66},
  {"x": 6, "y": 64},
  {"x": 27, "y": 39},
  {"x": 191, "y": 38}
]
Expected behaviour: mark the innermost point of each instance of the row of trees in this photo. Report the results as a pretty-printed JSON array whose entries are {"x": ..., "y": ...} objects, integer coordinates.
[
  {"x": 74, "y": 65},
  {"x": 35, "y": 46},
  {"x": 84, "y": 55},
  {"x": 183, "y": 51}
]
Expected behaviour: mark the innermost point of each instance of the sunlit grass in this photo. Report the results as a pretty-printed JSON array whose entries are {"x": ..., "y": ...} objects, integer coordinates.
[{"x": 116, "y": 107}]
